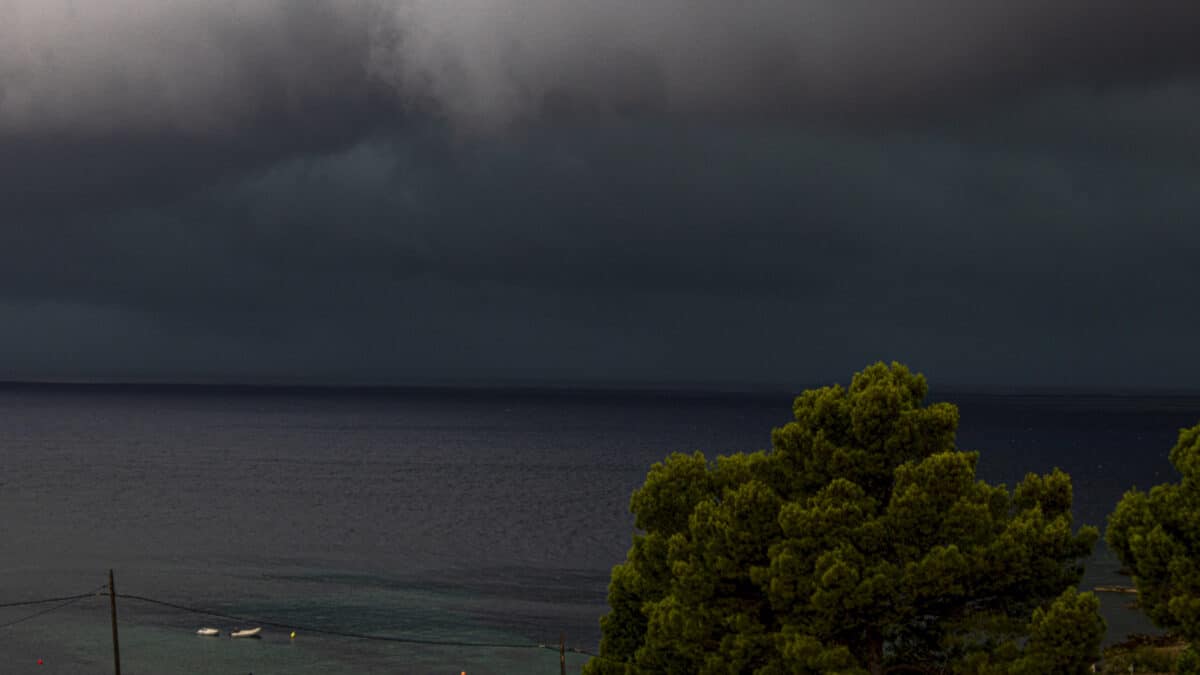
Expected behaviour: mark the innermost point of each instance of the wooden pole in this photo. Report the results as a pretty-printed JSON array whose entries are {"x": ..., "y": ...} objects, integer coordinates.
[
  {"x": 112, "y": 601},
  {"x": 562, "y": 654}
]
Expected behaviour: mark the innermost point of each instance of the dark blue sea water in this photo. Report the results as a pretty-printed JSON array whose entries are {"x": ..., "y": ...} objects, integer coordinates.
[{"x": 463, "y": 516}]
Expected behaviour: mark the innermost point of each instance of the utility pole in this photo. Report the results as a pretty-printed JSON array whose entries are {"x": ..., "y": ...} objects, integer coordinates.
[
  {"x": 562, "y": 654},
  {"x": 112, "y": 601}
]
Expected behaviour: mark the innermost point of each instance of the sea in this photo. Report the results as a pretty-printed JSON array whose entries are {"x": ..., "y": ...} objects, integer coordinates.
[{"x": 413, "y": 531}]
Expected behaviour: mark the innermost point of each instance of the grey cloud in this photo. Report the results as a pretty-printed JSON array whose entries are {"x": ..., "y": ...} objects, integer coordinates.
[
  {"x": 676, "y": 250},
  {"x": 115, "y": 102},
  {"x": 491, "y": 62},
  {"x": 773, "y": 192},
  {"x": 197, "y": 69},
  {"x": 188, "y": 68}
]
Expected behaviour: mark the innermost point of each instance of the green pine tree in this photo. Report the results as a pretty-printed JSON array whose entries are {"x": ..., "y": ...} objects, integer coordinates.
[
  {"x": 1157, "y": 537},
  {"x": 860, "y": 543}
]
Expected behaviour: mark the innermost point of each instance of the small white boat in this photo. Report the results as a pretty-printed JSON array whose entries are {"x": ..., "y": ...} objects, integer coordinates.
[
  {"x": 208, "y": 631},
  {"x": 248, "y": 632}
]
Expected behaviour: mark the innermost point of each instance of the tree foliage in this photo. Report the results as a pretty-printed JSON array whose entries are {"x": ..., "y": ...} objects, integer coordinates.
[
  {"x": 860, "y": 543},
  {"x": 1156, "y": 536}
]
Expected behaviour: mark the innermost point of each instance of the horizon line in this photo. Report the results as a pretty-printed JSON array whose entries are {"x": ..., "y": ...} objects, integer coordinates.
[{"x": 592, "y": 387}]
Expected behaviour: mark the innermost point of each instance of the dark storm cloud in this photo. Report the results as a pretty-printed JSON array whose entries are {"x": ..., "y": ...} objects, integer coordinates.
[
  {"x": 107, "y": 104},
  {"x": 527, "y": 189},
  {"x": 206, "y": 70},
  {"x": 124, "y": 101},
  {"x": 101, "y": 100},
  {"x": 493, "y": 61},
  {"x": 653, "y": 250}
]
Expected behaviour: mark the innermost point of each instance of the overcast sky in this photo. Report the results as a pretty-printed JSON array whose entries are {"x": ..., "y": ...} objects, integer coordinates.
[{"x": 772, "y": 192}]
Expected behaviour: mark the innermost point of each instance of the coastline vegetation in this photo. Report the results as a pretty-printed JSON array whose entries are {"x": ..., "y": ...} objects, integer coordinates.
[
  {"x": 1144, "y": 654},
  {"x": 863, "y": 543},
  {"x": 1156, "y": 536}
]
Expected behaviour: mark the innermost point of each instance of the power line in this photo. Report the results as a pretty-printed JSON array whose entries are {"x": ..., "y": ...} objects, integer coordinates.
[
  {"x": 43, "y": 601},
  {"x": 66, "y": 601}
]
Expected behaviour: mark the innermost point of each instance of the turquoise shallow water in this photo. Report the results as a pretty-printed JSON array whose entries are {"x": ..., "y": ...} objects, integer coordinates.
[
  {"x": 82, "y": 644},
  {"x": 156, "y": 639},
  {"x": 476, "y": 517}
]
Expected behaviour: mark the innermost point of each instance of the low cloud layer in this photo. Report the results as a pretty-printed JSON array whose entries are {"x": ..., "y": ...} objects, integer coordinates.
[
  {"x": 531, "y": 190},
  {"x": 490, "y": 61},
  {"x": 190, "y": 68},
  {"x": 197, "y": 68}
]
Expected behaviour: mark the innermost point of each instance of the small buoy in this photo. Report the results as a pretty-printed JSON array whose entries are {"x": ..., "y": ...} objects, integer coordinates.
[{"x": 293, "y": 636}]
